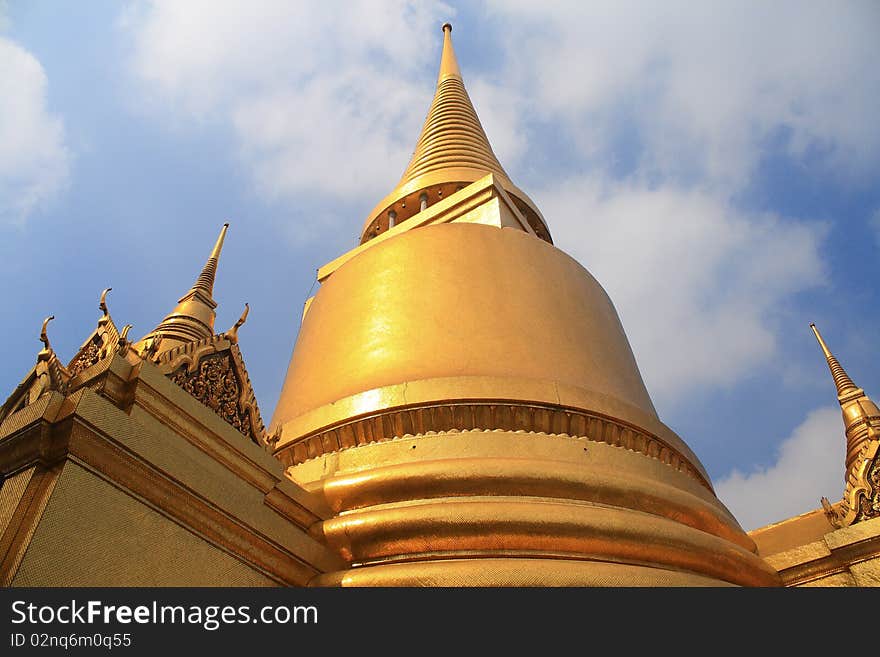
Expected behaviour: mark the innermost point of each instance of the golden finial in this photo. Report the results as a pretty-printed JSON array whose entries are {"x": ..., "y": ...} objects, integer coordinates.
[
  {"x": 232, "y": 334},
  {"x": 44, "y": 338},
  {"x": 123, "y": 344},
  {"x": 273, "y": 438},
  {"x": 103, "y": 305},
  {"x": 830, "y": 512},
  {"x": 448, "y": 62},
  {"x": 152, "y": 347},
  {"x": 841, "y": 378}
]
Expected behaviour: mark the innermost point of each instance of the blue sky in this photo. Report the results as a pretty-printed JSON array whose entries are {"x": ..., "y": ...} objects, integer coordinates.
[{"x": 714, "y": 165}]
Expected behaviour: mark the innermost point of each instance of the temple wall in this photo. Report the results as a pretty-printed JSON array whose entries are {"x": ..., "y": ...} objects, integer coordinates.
[
  {"x": 849, "y": 556},
  {"x": 148, "y": 487},
  {"x": 92, "y": 533}
]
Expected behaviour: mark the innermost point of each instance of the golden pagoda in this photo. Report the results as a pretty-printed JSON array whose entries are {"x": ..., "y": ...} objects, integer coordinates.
[
  {"x": 464, "y": 399},
  {"x": 462, "y": 407}
]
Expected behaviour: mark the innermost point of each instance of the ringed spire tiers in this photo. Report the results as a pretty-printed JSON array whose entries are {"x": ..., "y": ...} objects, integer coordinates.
[
  {"x": 842, "y": 381},
  {"x": 860, "y": 413},
  {"x": 452, "y": 152},
  {"x": 193, "y": 317}
]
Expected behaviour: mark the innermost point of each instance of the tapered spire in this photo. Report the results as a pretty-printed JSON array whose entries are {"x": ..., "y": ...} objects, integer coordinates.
[
  {"x": 841, "y": 378},
  {"x": 452, "y": 151},
  {"x": 861, "y": 421},
  {"x": 452, "y": 136},
  {"x": 193, "y": 317},
  {"x": 205, "y": 282},
  {"x": 448, "y": 62}
]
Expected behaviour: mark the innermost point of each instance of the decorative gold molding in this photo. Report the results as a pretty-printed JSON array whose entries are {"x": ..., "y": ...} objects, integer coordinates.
[
  {"x": 101, "y": 343},
  {"x": 866, "y": 498},
  {"x": 212, "y": 370},
  {"x": 172, "y": 499},
  {"x": 17, "y": 538},
  {"x": 484, "y": 416}
]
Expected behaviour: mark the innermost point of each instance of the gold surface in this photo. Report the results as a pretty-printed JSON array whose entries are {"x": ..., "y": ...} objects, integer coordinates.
[
  {"x": 792, "y": 532},
  {"x": 11, "y": 493},
  {"x": 458, "y": 300},
  {"x": 483, "y": 201},
  {"x": 448, "y": 501},
  {"x": 452, "y": 151},
  {"x": 16, "y": 539},
  {"x": 491, "y": 415},
  {"x": 136, "y": 544},
  {"x": 513, "y": 572},
  {"x": 849, "y": 556}
]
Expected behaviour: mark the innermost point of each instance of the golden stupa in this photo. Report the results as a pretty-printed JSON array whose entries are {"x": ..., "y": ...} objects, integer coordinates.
[
  {"x": 462, "y": 407},
  {"x": 463, "y": 396}
]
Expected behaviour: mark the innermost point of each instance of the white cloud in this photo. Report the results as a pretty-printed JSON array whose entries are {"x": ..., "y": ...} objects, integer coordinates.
[
  {"x": 704, "y": 87},
  {"x": 309, "y": 92},
  {"x": 810, "y": 465},
  {"x": 34, "y": 160},
  {"x": 697, "y": 283},
  {"x": 330, "y": 103}
]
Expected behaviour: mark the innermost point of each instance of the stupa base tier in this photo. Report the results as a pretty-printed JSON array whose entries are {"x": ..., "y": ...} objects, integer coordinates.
[
  {"x": 485, "y": 507},
  {"x": 494, "y": 572}
]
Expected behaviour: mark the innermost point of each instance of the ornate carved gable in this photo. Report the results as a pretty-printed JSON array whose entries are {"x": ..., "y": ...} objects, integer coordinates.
[
  {"x": 869, "y": 500},
  {"x": 212, "y": 370},
  {"x": 100, "y": 344},
  {"x": 861, "y": 499},
  {"x": 48, "y": 374}
]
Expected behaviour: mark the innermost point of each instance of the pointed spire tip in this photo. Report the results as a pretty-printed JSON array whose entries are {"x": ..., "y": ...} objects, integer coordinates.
[
  {"x": 448, "y": 63},
  {"x": 841, "y": 378}
]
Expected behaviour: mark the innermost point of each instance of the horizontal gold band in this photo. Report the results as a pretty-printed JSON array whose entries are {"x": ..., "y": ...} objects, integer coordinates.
[
  {"x": 486, "y": 416},
  {"x": 487, "y": 572},
  {"x": 446, "y": 477},
  {"x": 503, "y": 524}
]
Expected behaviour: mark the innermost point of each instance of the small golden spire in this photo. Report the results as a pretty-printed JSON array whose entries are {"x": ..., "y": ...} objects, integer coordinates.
[
  {"x": 452, "y": 136},
  {"x": 861, "y": 421},
  {"x": 452, "y": 151},
  {"x": 448, "y": 62},
  {"x": 844, "y": 384},
  {"x": 193, "y": 317}
]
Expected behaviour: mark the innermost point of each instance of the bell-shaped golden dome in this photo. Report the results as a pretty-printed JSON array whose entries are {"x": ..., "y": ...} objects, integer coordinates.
[{"x": 463, "y": 396}]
